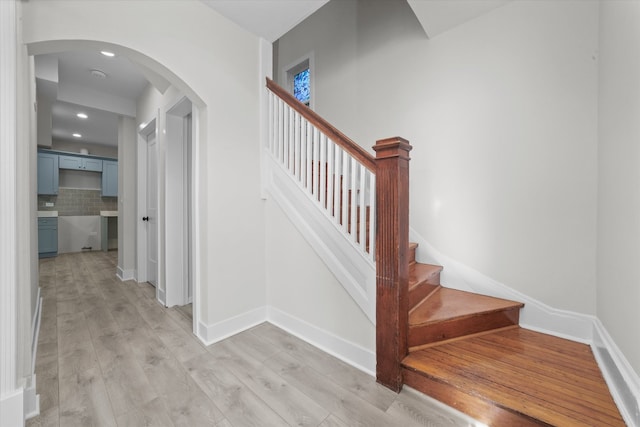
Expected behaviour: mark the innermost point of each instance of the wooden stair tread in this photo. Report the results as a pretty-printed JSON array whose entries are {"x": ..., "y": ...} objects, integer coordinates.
[
  {"x": 538, "y": 377},
  {"x": 424, "y": 281},
  {"x": 419, "y": 273},
  {"x": 447, "y": 304}
]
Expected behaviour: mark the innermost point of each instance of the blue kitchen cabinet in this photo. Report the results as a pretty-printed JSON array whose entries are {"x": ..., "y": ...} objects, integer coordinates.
[
  {"x": 80, "y": 163},
  {"x": 47, "y": 174},
  {"x": 47, "y": 237},
  {"x": 109, "y": 178}
]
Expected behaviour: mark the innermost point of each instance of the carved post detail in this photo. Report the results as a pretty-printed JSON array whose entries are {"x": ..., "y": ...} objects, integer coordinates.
[{"x": 392, "y": 263}]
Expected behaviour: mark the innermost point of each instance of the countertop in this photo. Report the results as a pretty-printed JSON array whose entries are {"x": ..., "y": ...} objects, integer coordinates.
[
  {"x": 108, "y": 213},
  {"x": 47, "y": 214}
]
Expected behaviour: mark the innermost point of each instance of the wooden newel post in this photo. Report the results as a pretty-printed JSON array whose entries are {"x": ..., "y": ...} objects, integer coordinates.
[{"x": 392, "y": 263}]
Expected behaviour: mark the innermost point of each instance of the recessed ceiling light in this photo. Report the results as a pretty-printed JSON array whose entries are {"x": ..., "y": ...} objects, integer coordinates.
[
  {"x": 77, "y": 135},
  {"x": 107, "y": 53},
  {"x": 99, "y": 74},
  {"x": 82, "y": 115}
]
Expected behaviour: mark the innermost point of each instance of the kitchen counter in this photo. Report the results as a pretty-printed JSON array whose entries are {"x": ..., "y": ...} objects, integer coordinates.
[
  {"x": 48, "y": 214},
  {"x": 108, "y": 213}
]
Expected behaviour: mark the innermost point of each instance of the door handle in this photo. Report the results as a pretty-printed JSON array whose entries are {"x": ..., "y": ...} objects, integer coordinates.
[{"x": 145, "y": 218}]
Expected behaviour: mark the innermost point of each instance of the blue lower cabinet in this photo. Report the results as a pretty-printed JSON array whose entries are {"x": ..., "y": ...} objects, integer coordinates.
[{"x": 47, "y": 237}]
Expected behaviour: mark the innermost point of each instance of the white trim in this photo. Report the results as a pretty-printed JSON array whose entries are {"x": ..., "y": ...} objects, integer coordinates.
[
  {"x": 210, "y": 334},
  {"x": 11, "y": 394},
  {"x": 266, "y": 70},
  {"x": 31, "y": 400},
  {"x": 535, "y": 315},
  {"x": 623, "y": 381},
  {"x": 35, "y": 328},
  {"x": 176, "y": 209},
  {"x": 347, "y": 351},
  {"x": 124, "y": 275},
  {"x": 12, "y": 406},
  {"x": 196, "y": 140},
  {"x": 141, "y": 208}
]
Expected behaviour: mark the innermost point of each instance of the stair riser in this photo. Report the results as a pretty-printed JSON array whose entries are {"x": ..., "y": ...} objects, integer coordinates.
[
  {"x": 442, "y": 331},
  {"x": 423, "y": 290},
  {"x": 412, "y": 253},
  {"x": 482, "y": 410}
]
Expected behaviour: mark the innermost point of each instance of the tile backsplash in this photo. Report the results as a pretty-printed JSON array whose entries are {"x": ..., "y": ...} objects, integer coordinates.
[{"x": 78, "y": 202}]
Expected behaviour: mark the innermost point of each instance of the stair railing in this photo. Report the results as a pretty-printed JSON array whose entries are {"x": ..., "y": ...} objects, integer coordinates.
[
  {"x": 367, "y": 198},
  {"x": 332, "y": 169}
]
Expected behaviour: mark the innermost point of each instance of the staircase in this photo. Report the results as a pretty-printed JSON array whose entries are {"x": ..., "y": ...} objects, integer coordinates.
[
  {"x": 463, "y": 349},
  {"x": 467, "y": 350}
]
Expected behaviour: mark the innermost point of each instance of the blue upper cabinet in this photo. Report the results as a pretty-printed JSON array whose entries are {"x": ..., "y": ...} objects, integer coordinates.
[
  {"x": 80, "y": 163},
  {"x": 47, "y": 174},
  {"x": 109, "y": 178}
]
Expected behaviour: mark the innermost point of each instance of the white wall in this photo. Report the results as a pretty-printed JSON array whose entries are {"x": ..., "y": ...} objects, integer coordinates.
[
  {"x": 300, "y": 285},
  {"x": 619, "y": 175},
  {"x": 502, "y": 115},
  {"x": 215, "y": 63},
  {"x": 127, "y": 196},
  {"x": 75, "y": 147},
  {"x": 77, "y": 232}
]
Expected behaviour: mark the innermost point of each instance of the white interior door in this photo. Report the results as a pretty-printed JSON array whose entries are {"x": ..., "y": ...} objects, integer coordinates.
[{"x": 152, "y": 210}]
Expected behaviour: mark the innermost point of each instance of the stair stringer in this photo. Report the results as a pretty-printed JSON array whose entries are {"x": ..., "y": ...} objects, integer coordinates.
[
  {"x": 623, "y": 382},
  {"x": 356, "y": 273}
]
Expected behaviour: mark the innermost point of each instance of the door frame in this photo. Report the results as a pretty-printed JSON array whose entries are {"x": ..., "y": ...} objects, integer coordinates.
[
  {"x": 178, "y": 207},
  {"x": 191, "y": 166},
  {"x": 143, "y": 135}
]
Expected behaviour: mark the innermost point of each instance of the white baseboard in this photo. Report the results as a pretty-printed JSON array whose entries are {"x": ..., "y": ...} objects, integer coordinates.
[
  {"x": 210, "y": 334},
  {"x": 124, "y": 275},
  {"x": 349, "y": 352},
  {"x": 12, "y": 409},
  {"x": 623, "y": 382},
  {"x": 35, "y": 331},
  {"x": 31, "y": 400}
]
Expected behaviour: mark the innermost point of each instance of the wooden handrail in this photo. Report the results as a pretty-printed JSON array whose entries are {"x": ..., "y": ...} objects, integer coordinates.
[{"x": 366, "y": 159}]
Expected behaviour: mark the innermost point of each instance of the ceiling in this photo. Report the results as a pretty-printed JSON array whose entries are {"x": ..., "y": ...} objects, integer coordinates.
[
  {"x": 66, "y": 85},
  {"x": 269, "y": 19}
]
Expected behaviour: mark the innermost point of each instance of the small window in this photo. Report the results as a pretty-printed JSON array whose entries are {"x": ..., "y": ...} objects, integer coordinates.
[
  {"x": 298, "y": 79},
  {"x": 301, "y": 86}
]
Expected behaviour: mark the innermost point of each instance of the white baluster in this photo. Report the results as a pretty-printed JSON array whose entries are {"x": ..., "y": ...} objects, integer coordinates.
[
  {"x": 345, "y": 192},
  {"x": 353, "y": 216}
]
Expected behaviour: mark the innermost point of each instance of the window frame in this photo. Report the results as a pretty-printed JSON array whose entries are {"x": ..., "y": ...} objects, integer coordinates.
[{"x": 301, "y": 64}]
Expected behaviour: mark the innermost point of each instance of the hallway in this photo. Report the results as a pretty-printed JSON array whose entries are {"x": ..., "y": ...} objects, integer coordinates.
[{"x": 109, "y": 354}]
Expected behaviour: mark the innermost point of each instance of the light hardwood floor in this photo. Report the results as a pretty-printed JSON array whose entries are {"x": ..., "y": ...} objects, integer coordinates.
[{"x": 110, "y": 355}]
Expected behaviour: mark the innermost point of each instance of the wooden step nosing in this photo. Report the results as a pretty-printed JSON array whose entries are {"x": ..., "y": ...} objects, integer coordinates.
[
  {"x": 460, "y": 338},
  {"x": 463, "y": 316},
  {"x": 421, "y": 280},
  {"x": 472, "y": 395}
]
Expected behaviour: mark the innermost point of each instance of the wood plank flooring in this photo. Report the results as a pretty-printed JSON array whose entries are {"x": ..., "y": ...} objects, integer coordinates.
[
  {"x": 110, "y": 355},
  {"x": 543, "y": 379}
]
